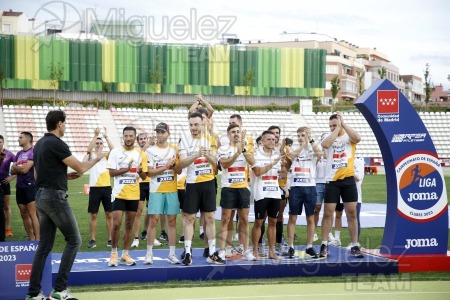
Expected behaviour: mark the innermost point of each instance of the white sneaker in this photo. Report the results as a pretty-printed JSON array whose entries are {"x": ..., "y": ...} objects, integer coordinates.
[
  {"x": 249, "y": 256},
  {"x": 222, "y": 254},
  {"x": 228, "y": 251},
  {"x": 236, "y": 237},
  {"x": 335, "y": 242},
  {"x": 66, "y": 294},
  {"x": 40, "y": 296},
  {"x": 135, "y": 243},
  {"x": 330, "y": 238},
  {"x": 173, "y": 259},
  {"x": 148, "y": 259},
  {"x": 315, "y": 238},
  {"x": 240, "y": 249},
  {"x": 156, "y": 243}
]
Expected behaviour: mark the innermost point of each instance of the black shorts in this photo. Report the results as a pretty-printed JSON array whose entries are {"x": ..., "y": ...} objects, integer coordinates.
[
  {"x": 235, "y": 198},
  {"x": 200, "y": 196},
  {"x": 345, "y": 189},
  {"x": 125, "y": 205},
  {"x": 181, "y": 197},
  {"x": 25, "y": 195},
  {"x": 269, "y": 206},
  {"x": 144, "y": 191},
  {"x": 6, "y": 188},
  {"x": 97, "y": 195},
  {"x": 339, "y": 207}
]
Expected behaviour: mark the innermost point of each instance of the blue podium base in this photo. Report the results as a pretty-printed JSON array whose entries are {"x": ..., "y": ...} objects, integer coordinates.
[{"x": 92, "y": 267}]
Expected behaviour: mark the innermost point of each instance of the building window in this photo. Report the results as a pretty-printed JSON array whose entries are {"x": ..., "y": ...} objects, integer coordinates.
[
  {"x": 6, "y": 28},
  {"x": 332, "y": 69}
]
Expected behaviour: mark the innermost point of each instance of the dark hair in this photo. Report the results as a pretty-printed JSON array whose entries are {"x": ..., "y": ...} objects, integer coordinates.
[
  {"x": 2, "y": 138},
  {"x": 258, "y": 139},
  {"x": 142, "y": 133},
  {"x": 275, "y": 127},
  {"x": 289, "y": 141},
  {"x": 129, "y": 128},
  {"x": 231, "y": 126},
  {"x": 266, "y": 132},
  {"x": 203, "y": 111},
  {"x": 237, "y": 116},
  {"x": 53, "y": 118},
  {"x": 99, "y": 138},
  {"x": 333, "y": 116},
  {"x": 195, "y": 115},
  {"x": 28, "y": 134}
]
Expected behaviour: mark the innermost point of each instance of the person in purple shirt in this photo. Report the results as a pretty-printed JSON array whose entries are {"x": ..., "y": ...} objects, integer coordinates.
[
  {"x": 5, "y": 179},
  {"x": 23, "y": 167}
]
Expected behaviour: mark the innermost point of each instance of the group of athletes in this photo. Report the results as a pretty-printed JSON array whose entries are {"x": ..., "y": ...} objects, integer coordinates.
[{"x": 183, "y": 177}]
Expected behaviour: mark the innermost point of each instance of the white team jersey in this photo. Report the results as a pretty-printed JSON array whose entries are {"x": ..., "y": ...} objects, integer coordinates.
[
  {"x": 99, "y": 174},
  {"x": 266, "y": 185},
  {"x": 126, "y": 186},
  {"x": 235, "y": 176},
  {"x": 303, "y": 168},
  {"x": 165, "y": 182},
  {"x": 201, "y": 169},
  {"x": 321, "y": 170}
]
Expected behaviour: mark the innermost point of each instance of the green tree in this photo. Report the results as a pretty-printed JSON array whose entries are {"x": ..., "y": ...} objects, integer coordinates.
[
  {"x": 382, "y": 72},
  {"x": 361, "y": 89},
  {"x": 335, "y": 88},
  {"x": 249, "y": 78},
  {"x": 427, "y": 77},
  {"x": 106, "y": 88},
  {"x": 156, "y": 78},
  {"x": 2, "y": 81},
  {"x": 55, "y": 75}
]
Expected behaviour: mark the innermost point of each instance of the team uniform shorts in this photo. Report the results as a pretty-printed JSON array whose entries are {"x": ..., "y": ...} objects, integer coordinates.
[
  {"x": 26, "y": 195},
  {"x": 97, "y": 195},
  {"x": 164, "y": 204},
  {"x": 302, "y": 196},
  {"x": 269, "y": 206},
  {"x": 235, "y": 198},
  {"x": 345, "y": 189},
  {"x": 200, "y": 196},
  {"x": 125, "y": 205}
]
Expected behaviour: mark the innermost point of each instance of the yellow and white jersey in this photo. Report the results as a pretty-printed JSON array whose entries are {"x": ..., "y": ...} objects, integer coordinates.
[
  {"x": 235, "y": 176},
  {"x": 99, "y": 173},
  {"x": 303, "y": 168},
  {"x": 126, "y": 186},
  {"x": 181, "y": 180},
  {"x": 266, "y": 185},
  {"x": 165, "y": 182},
  {"x": 340, "y": 159},
  {"x": 201, "y": 169}
]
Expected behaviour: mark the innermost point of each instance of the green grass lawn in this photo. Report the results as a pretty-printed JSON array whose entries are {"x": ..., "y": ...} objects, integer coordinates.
[{"x": 374, "y": 191}]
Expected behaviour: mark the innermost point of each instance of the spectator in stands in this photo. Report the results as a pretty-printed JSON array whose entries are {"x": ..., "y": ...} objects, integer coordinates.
[
  {"x": 198, "y": 154},
  {"x": 126, "y": 164},
  {"x": 23, "y": 167},
  {"x": 235, "y": 158},
  {"x": 163, "y": 168},
  {"x": 340, "y": 147},
  {"x": 5, "y": 179},
  {"x": 303, "y": 193},
  {"x": 144, "y": 142},
  {"x": 51, "y": 159},
  {"x": 267, "y": 195},
  {"x": 99, "y": 185}
]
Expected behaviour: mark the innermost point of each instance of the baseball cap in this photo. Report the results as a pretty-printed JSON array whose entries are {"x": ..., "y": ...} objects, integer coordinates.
[{"x": 162, "y": 126}]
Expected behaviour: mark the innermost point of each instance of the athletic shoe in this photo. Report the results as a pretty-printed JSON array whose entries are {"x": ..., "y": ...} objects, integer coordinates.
[
  {"x": 206, "y": 252},
  {"x": 8, "y": 232},
  {"x": 249, "y": 256},
  {"x": 156, "y": 243},
  {"x": 181, "y": 241},
  {"x": 173, "y": 259},
  {"x": 291, "y": 252},
  {"x": 202, "y": 235},
  {"x": 236, "y": 237},
  {"x": 91, "y": 244},
  {"x": 222, "y": 254},
  {"x": 330, "y": 238},
  {"x": 148, "y": 260},
  {"x": 127, "y": 260},
  {"x": 63, "y": 295},
  {"x": 311, "y": 253},
  {"x": 262, "y": 252},
  {"x": 356, "y": 252},
  {"x": 323, "y": 251},
  {"x": 215, "y": 259},
  {"x": 113, "y": 260},
  {"x": 143, "y": 235},
  {"x": 163, "y": 236},
  {"x": 315, "y": 238},
  {"x": 183, "y": 254},
  {"x": 228, "y": 251},
  {"x": 187, "y": 260},
  {"x": 278, "y": 250},
  {"x": 240, "y": 249},
  {"x": 40, "y": 296},
  {"x": 335, "y": 242},
  {"x": 109, "y": 244},
  {"x": 135, "y": 243}
]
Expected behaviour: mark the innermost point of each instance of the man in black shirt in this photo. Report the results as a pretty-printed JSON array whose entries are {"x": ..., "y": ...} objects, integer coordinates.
[{"x": 51, "y": 159}]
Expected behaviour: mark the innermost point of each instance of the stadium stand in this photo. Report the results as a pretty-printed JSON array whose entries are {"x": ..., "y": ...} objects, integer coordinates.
[{"x": 82, "y": 121}]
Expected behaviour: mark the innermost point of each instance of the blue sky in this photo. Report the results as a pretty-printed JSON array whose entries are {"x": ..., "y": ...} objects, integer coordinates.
[{"x": 411, "y": 33}]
